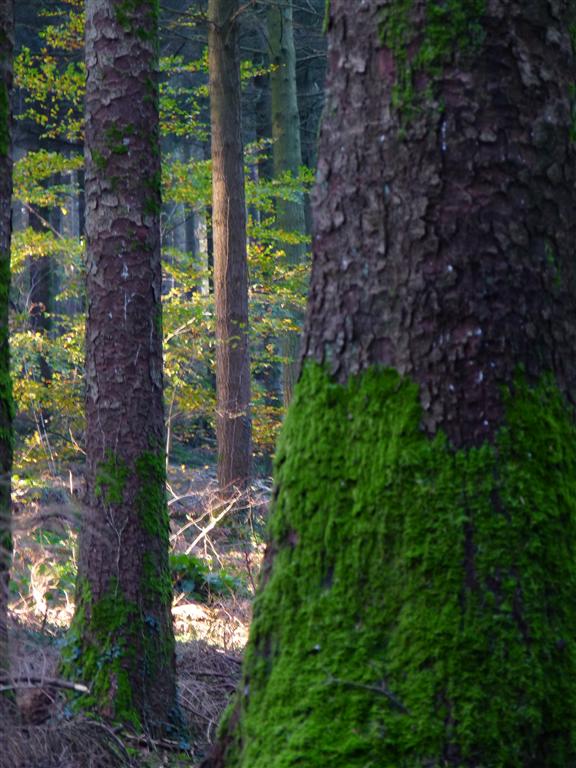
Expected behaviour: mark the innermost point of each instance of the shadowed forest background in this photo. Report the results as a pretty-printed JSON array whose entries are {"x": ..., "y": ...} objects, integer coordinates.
[
  {"x": 216, "y": 532},
  {"x": 288, "y": 456}
]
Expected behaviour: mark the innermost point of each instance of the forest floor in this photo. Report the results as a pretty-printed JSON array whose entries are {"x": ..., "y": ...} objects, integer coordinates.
[{"x": 216, "y": 555}]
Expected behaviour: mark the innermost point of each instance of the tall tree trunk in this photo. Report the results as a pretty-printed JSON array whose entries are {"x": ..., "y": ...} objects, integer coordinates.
[
  {"x": 122, "y": 625},
  {"x": 287, "y": 154},
  {"x": 40, "y": 296},
  {"x": 418, "y": 606},
  {"x": 6, "y": 403},
  {"x": 233, "y": 425}
]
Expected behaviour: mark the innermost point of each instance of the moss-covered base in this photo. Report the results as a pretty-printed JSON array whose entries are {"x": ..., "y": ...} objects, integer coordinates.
[
  {"x": 121, "y": 655},
  {"x": 420, "y": 609},
  {"x": 121, "y": 641},
  {"x": 98, "y": 652}
]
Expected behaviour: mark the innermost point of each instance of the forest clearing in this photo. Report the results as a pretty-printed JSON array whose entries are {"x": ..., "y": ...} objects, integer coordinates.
[{"x": 287, "y": 383}]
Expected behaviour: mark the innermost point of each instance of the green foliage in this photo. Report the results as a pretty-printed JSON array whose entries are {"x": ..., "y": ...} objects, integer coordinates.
[
  {"x": 188, "y": 304},
  {"x": 419, "y": 608},
  {"x": 48, "y": 577},
  {"x": 181, "y": 99},
  {"x": 193, "y": 576},
  {"x": 6, "y": 395},
  {"x": 53, "y": 92}
]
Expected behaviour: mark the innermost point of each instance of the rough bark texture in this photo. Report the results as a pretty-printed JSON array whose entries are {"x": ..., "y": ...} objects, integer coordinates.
[
  {"x": 122, "y": 640},
  {"x": 455, "y": 205},
  {"x": 233, "y": 424},
  {"x": 417, "y": 604},
  {"x": 287, "y": 154},
  {"x": 6, "y": 405}
]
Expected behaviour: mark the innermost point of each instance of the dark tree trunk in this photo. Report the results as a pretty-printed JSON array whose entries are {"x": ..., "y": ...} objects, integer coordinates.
[
  {"x": 417, "y": 606},
  {"x": 6, "y": 404},
  {"x": 287, "y": 154},
  {"x": 472, "y": 217},
  {"x": 122, "y": 625},
  {"x": 40, "y": 296},
  {"x": 233, "y": 425}
]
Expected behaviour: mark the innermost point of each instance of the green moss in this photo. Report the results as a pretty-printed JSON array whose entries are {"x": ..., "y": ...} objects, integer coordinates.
[
  {"x": 572, "y": 100},
  {"x": 448, "y": 27},
  {"x": 100, "y": 651},
  {"x": 111, "y": 478},
  {"x": 99, "y": 160},
  {"x": 156, "y": 580},
  {"x": 4, "y": 120},
  {"x": 420, "y": 608},
  {"x": 326, "y": 21},
  {"x": 128, "y": 11},
  {"x": 151, "y": 498},
  {"x": 117, "y": 140},
  {"x": 122, "y": 647},
  {"x": 153, "y": 203}
]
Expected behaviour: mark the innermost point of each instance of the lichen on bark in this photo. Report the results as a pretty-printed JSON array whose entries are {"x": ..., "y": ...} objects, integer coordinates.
[{"x": 445, "y": 29}]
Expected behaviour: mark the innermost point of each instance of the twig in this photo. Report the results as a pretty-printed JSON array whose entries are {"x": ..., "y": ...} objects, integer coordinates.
[
  {"x": 212, "y": 524},
  {"x": 381, "y": 689},
  {"x": 14, "y": 683},
  {"x": 189, "y": 524},
  {"x": 224, "y": 675},
  {"x": 147, "y": 741}
]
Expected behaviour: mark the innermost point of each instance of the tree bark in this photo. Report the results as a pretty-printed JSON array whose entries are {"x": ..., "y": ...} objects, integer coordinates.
[
  {"x": 40, "y": 296},
  {"x": 461, "y": 218},
  {"x": 417, "y": 601},
  {"x": 287, "y": 154},
  {"x": 6, "y": 403},
  {"x": 122, "y": 640},
  {"x": 233, "y": 424}
]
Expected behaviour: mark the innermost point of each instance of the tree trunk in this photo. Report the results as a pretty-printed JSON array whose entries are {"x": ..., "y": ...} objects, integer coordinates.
[
  {"x": 417, "y": 606},
  {"x": 6, "y": 403},
  {"x": 287, "y": 154},
  {"x": 233, "y": 426},
  {"x": 122, "y": 640},
  {"x": 40, "y": 296}
]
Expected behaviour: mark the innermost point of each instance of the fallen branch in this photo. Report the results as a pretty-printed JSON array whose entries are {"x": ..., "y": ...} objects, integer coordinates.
[
  {"x": 147, "y": 741},
  {"x": 15, "y": 683},
  {"x": 212, "y": 524}
]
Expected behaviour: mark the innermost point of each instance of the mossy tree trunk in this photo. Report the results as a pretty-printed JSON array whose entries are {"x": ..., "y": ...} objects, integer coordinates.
[
  {"x": 6, "y": 404},
  {"x": 233, "y": 424},
  {"x": 122, "y": 640},
  {"x": 287, "y": 155},
  {"x": 417, "y": 603}
]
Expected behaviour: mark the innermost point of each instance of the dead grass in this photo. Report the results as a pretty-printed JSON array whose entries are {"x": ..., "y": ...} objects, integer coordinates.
[
  {"x": 211, "y": 634},
  {"x": 62, "y": 743}
]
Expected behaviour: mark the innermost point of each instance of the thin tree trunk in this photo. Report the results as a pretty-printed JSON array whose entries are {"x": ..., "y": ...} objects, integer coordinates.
[
  {"x": 6, "y": 403},
  {"x": 287, "y": 154},
  {"x": 233, "y": 424},
  {"x": 40, "y": 296},
  {"x": 124, "y": 643},
  {"x": 417, "y": 606}
]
